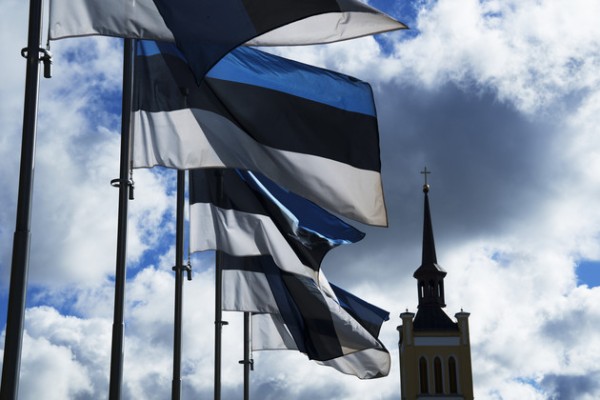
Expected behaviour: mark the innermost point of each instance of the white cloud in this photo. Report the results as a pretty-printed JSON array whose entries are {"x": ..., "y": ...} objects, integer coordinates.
[
  {"x": 530, "y": 52},
  {"x": 63, "y": 357}
]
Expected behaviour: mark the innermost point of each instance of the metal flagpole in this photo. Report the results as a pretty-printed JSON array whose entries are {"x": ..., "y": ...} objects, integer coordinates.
[
  {"x": 218, "y": 324},
  {"x": 218, "y": 305},
  {"x": 20, "y": 256},
  {"x": 125, "y": 184},
  {"x": 248, "y": 362},
  {"x": 179, "y": 269}
]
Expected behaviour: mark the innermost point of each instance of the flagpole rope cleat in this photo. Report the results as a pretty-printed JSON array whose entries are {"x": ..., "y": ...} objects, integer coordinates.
[
  {"x": 117, "y": 183},
  {"x": 187, "y": 268},
  {"x": 45, "y": 56}
]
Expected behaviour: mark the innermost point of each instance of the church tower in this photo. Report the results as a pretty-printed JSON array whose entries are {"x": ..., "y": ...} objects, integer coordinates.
[{"x": 435, "y": 353}]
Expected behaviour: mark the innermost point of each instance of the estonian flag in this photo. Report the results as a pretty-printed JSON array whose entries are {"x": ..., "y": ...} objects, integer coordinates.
[
  {"x": 310, "y": 130},
  {"x": 219, "y": 25},
  {"x": 243, "y": 213},
  {"x": 293, "y": 312}
]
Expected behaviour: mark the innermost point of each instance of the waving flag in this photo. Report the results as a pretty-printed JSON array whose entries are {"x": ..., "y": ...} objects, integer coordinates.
[
  {"x": 243, "y": 213},
  {"x": 219, "y": 26},
  {"x": 293, "y": 312},
  {"x": 310, "y": 130}
]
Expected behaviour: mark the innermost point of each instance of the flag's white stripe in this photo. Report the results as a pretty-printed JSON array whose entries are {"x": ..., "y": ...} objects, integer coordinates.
[
  {"x": 270, "y": 333},
  {"x": 317, "y": 29},
  {"x": 242, "y": 234},
  {"x": 123, "y": 18},
  {"x": 365, "y": 364},
  {"x": 192, "y": 138},
  {"x": 247, "y": 291}
]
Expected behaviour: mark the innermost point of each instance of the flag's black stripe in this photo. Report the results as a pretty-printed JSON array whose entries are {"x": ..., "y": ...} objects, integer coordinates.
[
  {"x": 320, "y": 337},
  {"x": 165, "y": 83},
  {"x": 205, "y": 188},
  {"x": 285, "y": 11}
]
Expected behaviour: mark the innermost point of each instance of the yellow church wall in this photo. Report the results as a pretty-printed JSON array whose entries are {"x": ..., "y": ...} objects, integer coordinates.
[{"x": 432, "y": 345}]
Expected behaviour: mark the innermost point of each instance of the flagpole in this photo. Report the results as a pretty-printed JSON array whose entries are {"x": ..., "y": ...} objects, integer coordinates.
[
  {"x": 179, "y": 269},
  {"x": 218, "y": 303},
  {"x": 248, "y": 362},
  {"x": 125, "y": 185},
  {"x": 20, "y": 256}
]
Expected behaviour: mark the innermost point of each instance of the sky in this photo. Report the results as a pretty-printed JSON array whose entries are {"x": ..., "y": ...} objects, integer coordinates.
[{"x": 499, "y": 99}]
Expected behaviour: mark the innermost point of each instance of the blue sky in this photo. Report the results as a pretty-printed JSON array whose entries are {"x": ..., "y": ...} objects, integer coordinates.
[
  {"x": 498, "y": 99},
  {"x": 588, "y": 273}
]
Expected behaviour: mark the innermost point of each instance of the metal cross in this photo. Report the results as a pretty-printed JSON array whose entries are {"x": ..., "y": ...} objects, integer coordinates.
[{"x": 425, "y": 172}]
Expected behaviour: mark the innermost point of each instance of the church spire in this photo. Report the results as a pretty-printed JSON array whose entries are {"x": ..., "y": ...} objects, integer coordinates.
[
  {"x": 429, "y": 256},
  {"x": 430, "y": 275}
]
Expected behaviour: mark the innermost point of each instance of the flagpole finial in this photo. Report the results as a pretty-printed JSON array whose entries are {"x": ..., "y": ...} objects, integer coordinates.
[{"x": 425, "y": 172}]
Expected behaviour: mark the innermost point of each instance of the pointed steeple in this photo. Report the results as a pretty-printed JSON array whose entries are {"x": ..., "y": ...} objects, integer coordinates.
[
  {"x": 429, "y": 257},
  {"x": 430, "y": 277}
]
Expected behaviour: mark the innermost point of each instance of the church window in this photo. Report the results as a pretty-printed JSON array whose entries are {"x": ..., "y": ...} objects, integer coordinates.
[
  {"x": 423, "y": 375},
  {"x": 452, "y": 373},
  {"x": 437, "y": 373}
]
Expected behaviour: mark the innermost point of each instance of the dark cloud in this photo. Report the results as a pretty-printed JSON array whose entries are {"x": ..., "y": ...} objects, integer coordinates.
[
  {"x": 491, "y": 166},
  {"x": 570, "y": 387},
  {"x": 580, "y": 322}
]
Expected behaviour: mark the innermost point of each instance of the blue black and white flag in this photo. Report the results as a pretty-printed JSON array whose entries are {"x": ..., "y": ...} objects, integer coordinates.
[
  {"x": 293, "y": 312},
  {"x": 245, "y": 214},
  {"x": 206, "y": 30},
  {"x": 310, "y": 130}
]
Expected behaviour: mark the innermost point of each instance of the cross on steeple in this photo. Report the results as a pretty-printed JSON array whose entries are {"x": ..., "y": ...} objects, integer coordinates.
[{"x": 425, "y": 172}]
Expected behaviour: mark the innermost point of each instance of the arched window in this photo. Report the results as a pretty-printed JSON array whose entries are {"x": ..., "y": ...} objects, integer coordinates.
[
  {"x": 431, "y": 289},
  {"x": 453, "y": 377},
  {"x": 423, "y": 375},
  {"x": 437, "y": 373},
  {"x": 439, "y": 288},
  {"x": 421, "y": 289}
]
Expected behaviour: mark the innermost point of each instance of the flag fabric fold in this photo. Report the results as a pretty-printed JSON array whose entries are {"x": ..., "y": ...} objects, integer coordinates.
[
  {"x": 219, "y": 26},
  {"x": 293, "y": 312},
  {"x": 310, "y": 130}
]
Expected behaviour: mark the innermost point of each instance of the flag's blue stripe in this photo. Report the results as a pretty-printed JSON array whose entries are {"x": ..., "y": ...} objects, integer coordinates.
[
  {"x": 369, "y": 316},
  {"x": 310, "y": 216},
  {"x": 257, "y": 68},
  {"x": 254, "y": 67},
  {"x": 149, "y": 48}
]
